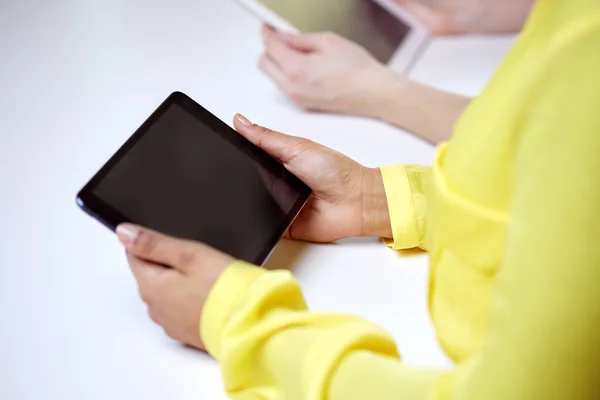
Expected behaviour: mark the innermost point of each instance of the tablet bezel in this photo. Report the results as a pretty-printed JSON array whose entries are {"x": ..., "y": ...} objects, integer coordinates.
[
  {"x": 111, "y": 218},
  {"x": 402, "y": 60}
]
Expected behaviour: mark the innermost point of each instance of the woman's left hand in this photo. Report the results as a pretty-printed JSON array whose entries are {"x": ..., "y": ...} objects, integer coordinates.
[{"x": 174, "y": 278}]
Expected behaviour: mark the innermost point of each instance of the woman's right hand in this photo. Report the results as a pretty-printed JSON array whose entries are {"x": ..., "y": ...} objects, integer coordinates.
[
  {"x": 348, "y": 198},
  {"x": 325, "y": 72}
]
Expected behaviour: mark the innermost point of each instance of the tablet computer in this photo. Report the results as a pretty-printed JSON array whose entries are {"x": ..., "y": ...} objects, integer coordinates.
[
  {"x": 187, "y": 174},
  {"x": 392, "y": 35}
]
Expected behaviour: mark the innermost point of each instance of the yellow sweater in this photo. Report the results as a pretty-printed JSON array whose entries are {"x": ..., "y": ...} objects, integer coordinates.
[{"x": 510, "y": 214}]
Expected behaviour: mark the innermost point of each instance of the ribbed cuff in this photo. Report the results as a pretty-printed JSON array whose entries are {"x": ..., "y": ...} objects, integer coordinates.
[
  {"x": 401, "y": 207},
  {"x": 221, "y": 302}
]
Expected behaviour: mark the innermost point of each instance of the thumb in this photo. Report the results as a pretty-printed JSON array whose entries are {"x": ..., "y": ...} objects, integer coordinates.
[
  {"x": 157, "y": 248},
  {"x": 280, "y": 146}
]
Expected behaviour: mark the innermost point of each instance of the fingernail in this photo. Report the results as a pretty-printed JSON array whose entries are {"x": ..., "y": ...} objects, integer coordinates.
[
  {"x": 268, "y": 28},
  {"x": 127, "y": 234},
  {"x": 243, "y": 120}
]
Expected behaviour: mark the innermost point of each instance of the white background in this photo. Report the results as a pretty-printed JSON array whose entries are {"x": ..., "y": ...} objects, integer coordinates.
[{"x": 76, "y": 79}]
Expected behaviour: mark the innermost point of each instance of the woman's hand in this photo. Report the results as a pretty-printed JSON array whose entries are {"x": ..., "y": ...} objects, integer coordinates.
[
  {"x": 174, "y": 278},
  {"x": 348, "y": 199},
  {"x": 325, "y": 72}
]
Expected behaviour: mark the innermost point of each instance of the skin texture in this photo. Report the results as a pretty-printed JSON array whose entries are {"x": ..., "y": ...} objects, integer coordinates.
[
  {"x": 326, "y": 72},
  {"x": 345, "y": 193},
  {"x": 451, "y": 17},
  {"x": 174, "y": 276},
  {"x": 323, "y": 71}
]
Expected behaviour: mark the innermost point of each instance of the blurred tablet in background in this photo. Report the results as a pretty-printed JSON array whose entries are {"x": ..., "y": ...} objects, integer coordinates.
[{"x": 392, "y": 35}]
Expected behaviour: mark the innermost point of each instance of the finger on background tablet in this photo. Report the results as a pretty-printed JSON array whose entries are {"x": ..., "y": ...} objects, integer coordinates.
[
  {"x": 269, "y": 27},
  {"x": 289, "y": 59},
  {"x": 269, "y": 67},
  {"x": 305, "y": 42}
]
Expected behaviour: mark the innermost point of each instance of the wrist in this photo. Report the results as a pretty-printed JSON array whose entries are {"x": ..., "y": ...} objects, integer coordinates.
[
  {"x": 420, "y": 109},
  {"x": 374, "y": 208},
  {"x": 492, "y": 17},
  {"x": 388, "y": 87},
  {"x": 402, "y": 102}
]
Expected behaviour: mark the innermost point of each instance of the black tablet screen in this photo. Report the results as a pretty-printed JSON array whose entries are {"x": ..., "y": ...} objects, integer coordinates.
[{"x": 184, "y": 179}]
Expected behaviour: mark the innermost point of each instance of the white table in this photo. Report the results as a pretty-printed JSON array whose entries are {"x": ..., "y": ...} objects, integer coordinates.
[{"x": 76, "y": 78}]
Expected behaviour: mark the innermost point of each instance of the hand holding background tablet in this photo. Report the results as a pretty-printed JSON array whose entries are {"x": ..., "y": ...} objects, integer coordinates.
[
  {"x": 382, "y": 27},
  {"x": 187, "y": 174}
]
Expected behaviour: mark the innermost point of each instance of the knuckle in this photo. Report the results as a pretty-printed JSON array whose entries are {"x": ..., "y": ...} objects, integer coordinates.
[
  {"x": 294, "y": 148},
  {"x": 296, "y": 73},
  {"x": 270, "y": 51},
  {"x": 301, "y": 102},
  {"x": 264, "y": 134},
  {"x": 170, "y": 333},
  {"x": 297, "y": 147},
  {"x": 146, "y": 294},
  {"x": 146, "y": 243},
  {"x": 295, "y": 93},
  {"x": 153, "y": 315},
  {"x": 187, "y": 256}
]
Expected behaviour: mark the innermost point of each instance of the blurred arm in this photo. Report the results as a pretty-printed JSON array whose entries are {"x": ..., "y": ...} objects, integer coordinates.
[
  {"x": 493, "y": 16},
  {"x": 423, "y": 110}
]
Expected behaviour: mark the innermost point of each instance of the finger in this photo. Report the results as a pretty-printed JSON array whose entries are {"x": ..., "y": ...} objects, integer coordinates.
[
  {"x": 288, "y": 233},
  {"x": 280, "y": 146},
  {"x": 158, "y": 248},
  {"x": 269, "y": 67},
  {"x": 155, "y": 316},
  {"x": 150, "y": 277},
  {"x": 306, "y": 42},
  {"x": 268, "y": 28},
  {"x": 309, "y": 42},
  {"x": 268, "y": 33},
  {"x": 287, "y": 58}
]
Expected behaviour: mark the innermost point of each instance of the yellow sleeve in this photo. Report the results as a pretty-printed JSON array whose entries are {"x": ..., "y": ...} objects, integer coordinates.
[
  {"x": 545, "y": 326},
  {"x": 256, "y": 324},
  {"x": 269, "y": 346},
  {"x": 405, "y": 191},
  {"x": 543, "y": 340}
]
